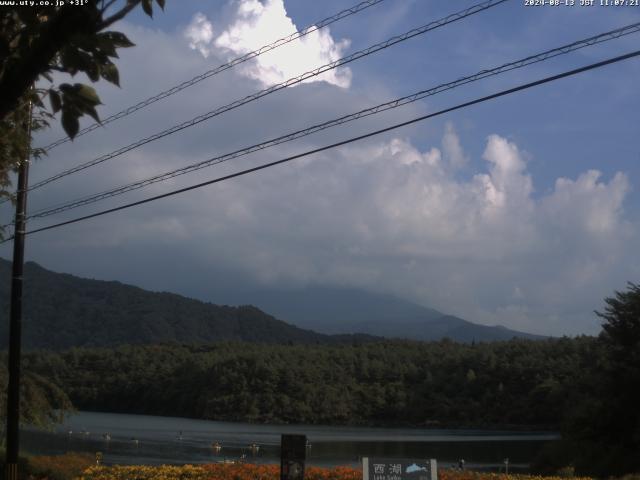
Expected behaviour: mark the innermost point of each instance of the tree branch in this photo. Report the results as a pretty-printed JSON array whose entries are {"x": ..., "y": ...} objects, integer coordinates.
[
  {"x": 104, "y": 7},
  {"x": 118, "y": 15}
]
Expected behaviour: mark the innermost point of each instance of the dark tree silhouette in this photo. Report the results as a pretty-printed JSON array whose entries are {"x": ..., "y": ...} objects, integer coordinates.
[{"x": 602, "y": 429}]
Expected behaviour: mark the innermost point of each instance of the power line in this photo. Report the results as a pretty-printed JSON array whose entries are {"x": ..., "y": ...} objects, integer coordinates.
[
  {"x": 221, "y": 68},
  {"x": 565, "y": 49},
  {"x": 344, "y": 142},
  {"x": 292, "y": 81}
]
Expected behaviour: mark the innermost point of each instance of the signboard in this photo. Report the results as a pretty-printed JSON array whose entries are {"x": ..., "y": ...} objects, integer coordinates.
[
  {"x": 293, "y": 452},
  {"x": 399, "y": 469}
]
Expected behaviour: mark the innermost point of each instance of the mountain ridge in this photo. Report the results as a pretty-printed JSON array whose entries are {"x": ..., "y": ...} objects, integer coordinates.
[
  {"x": 62, "y": 310},
  {"x": 332, "y": 310}
]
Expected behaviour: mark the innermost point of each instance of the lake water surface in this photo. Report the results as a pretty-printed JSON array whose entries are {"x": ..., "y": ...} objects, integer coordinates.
[{"x": 144, "y": 439}]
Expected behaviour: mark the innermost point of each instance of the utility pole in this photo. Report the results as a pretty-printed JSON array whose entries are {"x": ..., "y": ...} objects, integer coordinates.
[{"x": 15, "y": 325}]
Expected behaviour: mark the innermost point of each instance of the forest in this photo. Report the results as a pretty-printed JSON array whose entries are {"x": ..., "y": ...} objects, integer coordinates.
[{"x": 515, "y": 383}]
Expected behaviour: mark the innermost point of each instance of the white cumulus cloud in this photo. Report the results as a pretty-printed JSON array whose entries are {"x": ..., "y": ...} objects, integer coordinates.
[
  {"x": 200, "y": 34},
  {"x": 259, "y": 23},
  {"x": 587, "y": 203},
  {"x": 452, "y": 148},
  {"x": 389, "y": 216}
]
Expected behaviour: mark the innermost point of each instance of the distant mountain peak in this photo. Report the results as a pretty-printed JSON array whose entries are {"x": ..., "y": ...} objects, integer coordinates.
[{"x": 335, "y": 310}]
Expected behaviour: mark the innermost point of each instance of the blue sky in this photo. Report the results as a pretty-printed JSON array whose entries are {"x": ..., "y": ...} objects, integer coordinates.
[{"x": 523, "y": 211}]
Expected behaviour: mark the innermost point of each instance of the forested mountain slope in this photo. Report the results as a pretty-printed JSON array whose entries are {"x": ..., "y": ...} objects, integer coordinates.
[{"x": 62, "y": 311}]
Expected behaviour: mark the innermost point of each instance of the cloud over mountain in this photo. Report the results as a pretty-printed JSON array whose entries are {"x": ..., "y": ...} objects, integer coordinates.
[{"x": 453, "y": 215}]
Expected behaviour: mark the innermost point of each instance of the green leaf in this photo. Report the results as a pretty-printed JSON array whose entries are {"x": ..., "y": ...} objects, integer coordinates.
[
  {"x": 110, "y": 74},
  {"x": 66, "y": 88},
  {"x": 87, "y": 94},
  {"x": 93, "y": 71},
  {"x": 56, "y": 101},
  {"x": 73, "y": 60},
  {"x": 160, "y": 3},
  {"x": 118, "y": 39},
  {"x": 106, "y": 44},
  {"x": 147, "y": 6},
  {"x": 70, "y": 122},
  {"x": 93, "y": 113}
]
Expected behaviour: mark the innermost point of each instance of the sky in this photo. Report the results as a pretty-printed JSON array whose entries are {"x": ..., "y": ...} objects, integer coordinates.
[{"x": 523, "y": 211}]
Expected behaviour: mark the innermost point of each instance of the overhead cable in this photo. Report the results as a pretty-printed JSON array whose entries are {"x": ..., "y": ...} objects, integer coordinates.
[
  {"x": 292, "y": 81},
  {"x": 565, "y": 49},
  {"x": 221, "y": 68},
  {"x": 344, "y": 142}
]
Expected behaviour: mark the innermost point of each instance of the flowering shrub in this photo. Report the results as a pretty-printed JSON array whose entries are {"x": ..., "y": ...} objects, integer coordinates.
[
  {"x": 244, "y": 471},
  {"x": 470, "y": 475},
  {"x": 272, "y": 472},
  {"x": 59, "y": 467},
  {"x": 337, "y": 473},
  {"x": 213, "y": 472},
  {"x": 142, "y": 472},
  {"x": 266, "y": 472}
]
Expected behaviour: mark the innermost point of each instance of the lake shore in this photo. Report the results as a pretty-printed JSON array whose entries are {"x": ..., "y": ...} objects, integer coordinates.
[
  {"x": 153, "y": 440},
  {"x": 436, "y": 425}
]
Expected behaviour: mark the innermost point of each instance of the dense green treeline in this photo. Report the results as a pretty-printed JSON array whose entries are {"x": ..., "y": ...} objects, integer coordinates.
[
  {"x": 518, "y": 382},
  {"x": 41, "y": 400}
]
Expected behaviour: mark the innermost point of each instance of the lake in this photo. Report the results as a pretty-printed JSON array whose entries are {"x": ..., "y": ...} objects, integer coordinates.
[{"x": 152, "y": 440}]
